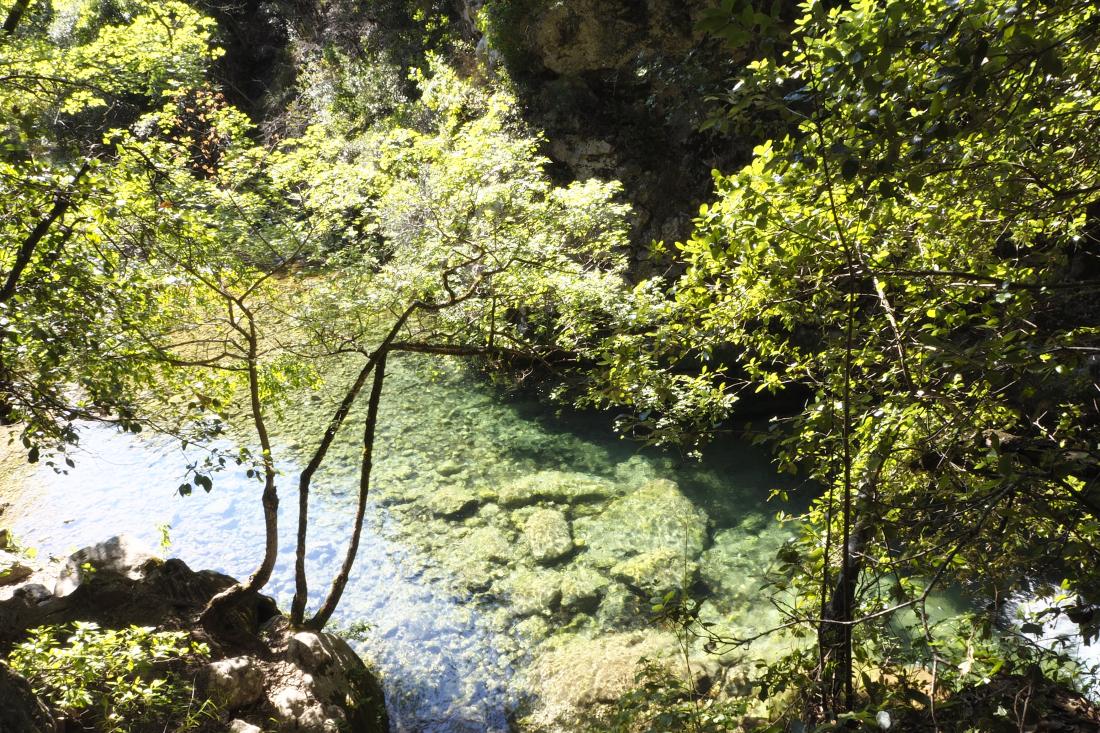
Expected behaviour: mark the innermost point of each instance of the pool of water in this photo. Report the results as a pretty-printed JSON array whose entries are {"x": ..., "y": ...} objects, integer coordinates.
[{"x": 497, "y": 530}]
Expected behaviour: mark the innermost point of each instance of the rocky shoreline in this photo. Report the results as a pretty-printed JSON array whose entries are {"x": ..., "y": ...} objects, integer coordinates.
[{"x": 261, "y": 674}]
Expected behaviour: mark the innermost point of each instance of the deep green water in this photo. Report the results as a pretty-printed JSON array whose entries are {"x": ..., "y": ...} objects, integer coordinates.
[{"x": 497, "y": 531}]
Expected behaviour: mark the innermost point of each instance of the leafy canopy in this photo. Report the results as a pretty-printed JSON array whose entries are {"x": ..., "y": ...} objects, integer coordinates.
[{"x": 921, "y": 251}]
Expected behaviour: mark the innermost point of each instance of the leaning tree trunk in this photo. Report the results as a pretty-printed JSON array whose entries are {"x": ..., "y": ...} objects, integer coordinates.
[
  {"x": 301, "y": 584},
  {"x": 15, "y": 15},
  {"x": 328, "y": 606},
  {"x": 270, "y": 498},
  {"x": 301, "y": 590}
]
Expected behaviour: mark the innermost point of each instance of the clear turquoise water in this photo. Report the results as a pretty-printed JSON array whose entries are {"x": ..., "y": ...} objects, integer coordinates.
[{"x": 452, "y": 625}]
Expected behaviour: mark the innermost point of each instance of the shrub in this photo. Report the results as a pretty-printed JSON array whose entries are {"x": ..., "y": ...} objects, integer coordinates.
[{"x": 116, "y": 681}]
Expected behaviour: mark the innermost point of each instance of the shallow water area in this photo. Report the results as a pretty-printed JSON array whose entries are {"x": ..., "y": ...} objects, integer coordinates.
[{"x": 496, "y": 534}]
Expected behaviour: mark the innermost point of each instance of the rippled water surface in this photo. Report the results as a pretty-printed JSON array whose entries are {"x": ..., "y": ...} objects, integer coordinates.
[{"x": 495, "y": 530}]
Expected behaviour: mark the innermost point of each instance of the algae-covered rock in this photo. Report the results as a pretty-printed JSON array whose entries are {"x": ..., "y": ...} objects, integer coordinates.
[
  {"x": 487, "y": 544},
  {"x": 581, "y": 589},
  {"x": 533, "y": 591},
  {"x": 452, "y": 502},
  {"x": 548, "y": 535},
  {"x": 658, "y": 572},
  {"x": 578, "y": 682},
  {"x": 620, "y": 607},
  {"x": 479, "y": 558},
  {"x": 556, "y": 486},
  {"x": 534, "y": 628},
  {"x": 730, "y": 562},
  {"x": 449, "y": 468},
  {"x": 655, "y": 516},
  {"x": 732, "y": 566}
]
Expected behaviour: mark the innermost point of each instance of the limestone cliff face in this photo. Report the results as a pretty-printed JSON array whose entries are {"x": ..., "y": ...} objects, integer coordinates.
[
  {"x": 619, "y": 87},
  {"x": 581, "y": 36}
]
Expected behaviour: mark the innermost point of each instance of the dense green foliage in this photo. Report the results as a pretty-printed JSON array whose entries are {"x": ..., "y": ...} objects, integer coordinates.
[
  {"x": 115, "y": 681},
  {"x": 227, "y": 270},
  {"x": 921, "y": 252},
  {"x": 917, "y": 249},
  {"x": 69, "y": 71}
]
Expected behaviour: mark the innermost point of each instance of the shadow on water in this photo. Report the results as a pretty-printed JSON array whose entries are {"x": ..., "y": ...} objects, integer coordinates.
[{"x": 731, "y": 479}]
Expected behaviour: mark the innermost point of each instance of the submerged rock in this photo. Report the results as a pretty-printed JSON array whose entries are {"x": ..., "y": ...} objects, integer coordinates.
[
  {"x": 581, "y": 589},
  {"x": 548, "y": 535},
  {"x": 656, "y": 516},
  {"x": 532, "y": 591},
  {"x": 732, "y": 566},
  {"x": 452, "y": 502},
  {"x": 555, "y": 486},
  {"x": 486, "y": 544},
  {"x": 619, "y": 607},
  {"x": 657, "y": 572},
  {"x": 575, "y": 684},
  {"x": 449, "y": 468},
  {"x": 533, "y": 628}
]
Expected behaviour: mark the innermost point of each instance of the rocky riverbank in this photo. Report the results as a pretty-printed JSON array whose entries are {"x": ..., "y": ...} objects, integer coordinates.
[{"x": 260, "y": 674}]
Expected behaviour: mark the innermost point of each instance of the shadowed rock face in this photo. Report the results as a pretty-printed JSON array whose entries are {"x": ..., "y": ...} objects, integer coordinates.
[
  {"x": 582, "y": 36},
  {"x": 619, "y": 87},
  {"x": 20, "y": 709}
]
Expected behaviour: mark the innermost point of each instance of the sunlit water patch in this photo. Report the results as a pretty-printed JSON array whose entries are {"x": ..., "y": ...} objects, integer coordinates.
[{"x": 495, "y": 529}]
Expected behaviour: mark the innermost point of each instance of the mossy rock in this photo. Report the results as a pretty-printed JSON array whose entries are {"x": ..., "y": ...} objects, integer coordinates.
[
  {"x": 556, "y": 486},
  {"x": 658, "y": 572},
  {"x": 548, "y": 536},
  {"x": 620, "y": 607},
  {"x": 486, "y": 544},
  {"x": 733, "y": 564},
  {"x": 654, "y": 517},
  {"x": 582, "y": 588},
  {"x": 449, "y": 468},
  {"x": 452, "y": 502},
  {"x": 532, "y": 591}
]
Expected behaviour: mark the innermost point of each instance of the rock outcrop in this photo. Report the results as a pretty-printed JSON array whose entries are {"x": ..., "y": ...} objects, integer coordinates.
[
  {"x": 263, "y": 675},
  {"x": 20, "y": 709},
  {"x": 620, "y": 88}
]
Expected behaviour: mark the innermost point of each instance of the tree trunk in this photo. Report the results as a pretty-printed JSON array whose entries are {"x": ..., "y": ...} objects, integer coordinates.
[
  {"x": 15, "y": 15},
  {"x": 328, "y": 606},
  {"x": 301, "y": 587},
  {"x": 62, "y": 201},
  {"x": 270, "y": 498},
  {"x": 835, "y": 632}
]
